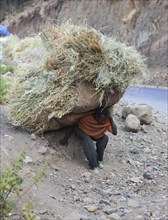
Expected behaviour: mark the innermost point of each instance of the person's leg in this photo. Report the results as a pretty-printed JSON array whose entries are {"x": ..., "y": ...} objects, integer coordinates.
[
  {"x": 101, "y": 145},
  {"x": 88, "y": 146}
]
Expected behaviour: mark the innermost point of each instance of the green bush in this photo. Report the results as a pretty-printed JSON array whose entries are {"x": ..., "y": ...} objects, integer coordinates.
[{"x": 11, "y": 183}]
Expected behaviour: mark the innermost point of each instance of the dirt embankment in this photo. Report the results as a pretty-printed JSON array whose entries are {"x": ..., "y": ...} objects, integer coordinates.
[{"x": 136, "y": 22}]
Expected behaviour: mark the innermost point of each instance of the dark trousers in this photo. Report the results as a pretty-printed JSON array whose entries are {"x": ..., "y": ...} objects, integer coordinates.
[{"x": 93, "y": 155}]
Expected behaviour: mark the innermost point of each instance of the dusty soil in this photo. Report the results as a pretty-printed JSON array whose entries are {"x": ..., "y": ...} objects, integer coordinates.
[
  {"x": 157, "y": 77},
  {"x": 120, "y": 191}
]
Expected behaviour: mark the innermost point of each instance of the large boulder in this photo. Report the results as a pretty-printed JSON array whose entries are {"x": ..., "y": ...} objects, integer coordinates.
[
  {"x": 142, "y": 111},
  {"x": 132, "y": 123}
]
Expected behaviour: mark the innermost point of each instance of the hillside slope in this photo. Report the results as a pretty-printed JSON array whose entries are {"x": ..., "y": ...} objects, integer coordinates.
[{"x": 136, "y": 22}]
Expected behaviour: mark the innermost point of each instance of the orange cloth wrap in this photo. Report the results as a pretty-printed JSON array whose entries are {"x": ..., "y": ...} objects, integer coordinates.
[{"x": 91, "y": 127}]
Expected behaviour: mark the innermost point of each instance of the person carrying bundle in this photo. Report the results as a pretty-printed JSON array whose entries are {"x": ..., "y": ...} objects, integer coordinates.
[{"x": 93, "y": 128}]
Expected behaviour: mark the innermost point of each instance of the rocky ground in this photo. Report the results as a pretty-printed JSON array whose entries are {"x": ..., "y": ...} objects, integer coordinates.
[{"x": 133, "y": 185}]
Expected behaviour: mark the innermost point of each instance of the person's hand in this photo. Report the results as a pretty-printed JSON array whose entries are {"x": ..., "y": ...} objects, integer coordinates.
[{"x": 63, "y": 142}]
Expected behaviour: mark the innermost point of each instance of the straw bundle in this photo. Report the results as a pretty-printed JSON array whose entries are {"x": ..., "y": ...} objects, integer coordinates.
[
  {"x": 73, "y": 55},
  {"x": 24, "y": 54}
]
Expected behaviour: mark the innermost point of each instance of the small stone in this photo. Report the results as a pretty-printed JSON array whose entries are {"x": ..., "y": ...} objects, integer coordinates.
[
  {"x": 126, "y": 211},
  {"x": 134, "y": 151},
  {"x": 92, "y": 208},
  {"x": 42, "y": 212},
  {"x": 139, "y": 217},
  {"x": 123, "y": 199},
  {"x": 28, "y": 159},
  {"x": 42, "y": 150},
  {"x": 135, "y": 179},
  {"x": 147, "y": 176},
  {"x": 54, "y": 166},
  {"x": 105, "y": 192},
  {"x": 143, "y": 128},
  {"x": 73, "y": 187},
  {"x": 33, "y": 137},
  {"x": 107, "y": 210},
  {"x": 114, "y": 216},
  {"x": 10, "y": 214},
  {"x": 87, "y": 174},
  {"x": 76, "y": 199},
  {"x": 104, "y": 202},
  {"x": 87, "y": 180},
  {"x": 53, "y": 197}
]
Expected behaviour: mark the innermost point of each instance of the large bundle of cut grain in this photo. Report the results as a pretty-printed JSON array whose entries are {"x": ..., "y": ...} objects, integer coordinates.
[
  {"x": 24, "y": 54},
  {"x": 79, "y": 62}
]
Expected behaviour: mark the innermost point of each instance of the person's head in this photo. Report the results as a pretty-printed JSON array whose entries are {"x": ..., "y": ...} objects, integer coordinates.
[{"x": 101, "y": 114}]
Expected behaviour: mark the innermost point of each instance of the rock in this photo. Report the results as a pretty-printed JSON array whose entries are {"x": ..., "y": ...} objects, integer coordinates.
[
  {"x": 136, "y": 179},
  {"x": 53, "y": 197},
  {"x": 76, "y": 198},
  {"x": 143, "y": 128},
  {"x": 28, "y": 159},
  {"x": 33, "y": 137},
  {"x": 73, "y": 187},
  {"x": 105, "y": 192},
  {"x": 123, "y": 199},
  {"x": 143, "y": 112},
  {"x": 135, "y": 151},
  {"x": 132, "y": 123},
  {"x": 107, "y": 210},
  {"x": 139, "y": 217},
  {"x": 54, "y": 166},
  {"x": 126, "y": 211},
  {"x": 104, "y": 202},
  {"x": 114, "y": 216},
  {"x": 92, "y": 208},
  {"x": 42, "y": 212},
  {"x": 147, "y": 176},
  {"x": 87, "y": 174},
  {"x": 42, "y": 150}
]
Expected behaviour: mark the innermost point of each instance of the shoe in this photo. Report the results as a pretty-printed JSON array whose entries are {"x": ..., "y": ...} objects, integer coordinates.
[
  {"x": 101, "y": 165},
  {"x": 95, "y": 170}
]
